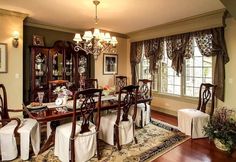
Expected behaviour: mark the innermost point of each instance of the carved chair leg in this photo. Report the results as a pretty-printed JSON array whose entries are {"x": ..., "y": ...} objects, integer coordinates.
[
  {"x": 135, "y": 139},
  {"x": 117, "y": 137},
  {"x": 98, "y": 151}
]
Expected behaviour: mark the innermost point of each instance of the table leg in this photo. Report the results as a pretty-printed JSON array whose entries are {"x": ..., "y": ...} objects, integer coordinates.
[{"x": 51, "y": 139}]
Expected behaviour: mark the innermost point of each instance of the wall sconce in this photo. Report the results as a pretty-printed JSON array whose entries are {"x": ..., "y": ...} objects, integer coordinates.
[{"x": 15, "y": 36}]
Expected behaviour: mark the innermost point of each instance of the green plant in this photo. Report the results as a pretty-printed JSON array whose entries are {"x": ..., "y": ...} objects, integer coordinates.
[{"x": 222, "y": 126}]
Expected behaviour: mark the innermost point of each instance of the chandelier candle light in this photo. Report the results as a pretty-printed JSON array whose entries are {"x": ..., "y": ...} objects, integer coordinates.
[{"x": 97, "y": 42}]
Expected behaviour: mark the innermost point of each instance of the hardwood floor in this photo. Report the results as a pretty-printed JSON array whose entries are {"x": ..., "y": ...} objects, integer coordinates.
[{"x": 197, "y": 150}]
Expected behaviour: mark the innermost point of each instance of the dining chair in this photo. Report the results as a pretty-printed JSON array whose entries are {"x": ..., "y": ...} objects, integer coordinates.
[
  {"x": 78, "y": 139},
  {"x": 27, "y": 130},
  {"x": 52, "y": 86},
  {"x": 144, "y": 109},
  {"x": 190, "y": 120},
  {"x": 91, "y": 83},
  {"x": 120, "y": 82},
  {"x": 118, "y": 128}
]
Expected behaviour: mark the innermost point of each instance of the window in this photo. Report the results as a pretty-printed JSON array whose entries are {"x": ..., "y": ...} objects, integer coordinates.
[
  {"x": 170, "y": 82},
  {"x": 197, "y": 70},
  {"x": 143, "y": 69}
]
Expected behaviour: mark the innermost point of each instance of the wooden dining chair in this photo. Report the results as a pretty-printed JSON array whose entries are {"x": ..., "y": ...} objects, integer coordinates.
[
  {"x": 118, "y": 128},
  {"x": 10, "y": 128},
  {"x": 78, "y": 139},
  {"x": 192, "y": 120},
  {"x": 144, "y": 109},
  {"x": 52, "y": 86},
  {"x": 120, "y": 82},
  {"x": 91, "y": 83}
]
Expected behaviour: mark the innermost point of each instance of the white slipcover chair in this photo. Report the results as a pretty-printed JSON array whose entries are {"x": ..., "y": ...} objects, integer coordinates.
[
  {"x": 118, "y": 127},
  {"x": 27, "y": 128},
  {"x": 77, "y": 141},
  {"x": 192, "y": 121},
  {"x": 144, "y": 109}
]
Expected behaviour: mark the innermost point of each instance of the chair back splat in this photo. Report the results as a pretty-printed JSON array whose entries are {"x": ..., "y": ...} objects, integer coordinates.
[
  {"x": 206, "y": 93},
  {"x": 91, "y": 83},
  {"x": 145, "y": 88},
  {"x": 130, "y": 95},
  {"x": 121, "y": 81}
]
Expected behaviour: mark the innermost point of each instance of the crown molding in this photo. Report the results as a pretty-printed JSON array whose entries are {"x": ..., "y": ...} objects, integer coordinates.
[
  {"x": 28, "y": 22},
  {"x": 52, "y": 27},
  {"x": 193, "y": 23},
  {"x": 13, "y": 13}
]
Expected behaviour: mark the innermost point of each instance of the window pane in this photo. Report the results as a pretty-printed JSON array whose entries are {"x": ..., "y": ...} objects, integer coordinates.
[
  {"x": 196, "y": 92},
  {"x": 189, "y": 81},
  {"x": 197, "y": 52},
  {"x": 177, "y": 81},
  {"x": 170, "y": 89},
  {"x": 170, "y": 71},
  {"x": 170, "y": 80},
  {"x": 198, "y": 72},
  {"x": 189, "y": 91},
  {"x": 197, "y": 82},
  {"x": 177, "y": 90},
  {"x": 207, "y": 72},
  {"x": 198, "y": 61}
]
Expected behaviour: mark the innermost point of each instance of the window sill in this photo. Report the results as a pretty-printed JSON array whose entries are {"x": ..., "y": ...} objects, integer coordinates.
[{"x": 193, "y": 100}]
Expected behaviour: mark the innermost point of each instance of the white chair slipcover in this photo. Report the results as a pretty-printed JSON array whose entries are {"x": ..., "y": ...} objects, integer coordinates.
[
  {"x": 106, "y": 130},
  {"x": 143, "y": 116},
  {"x": 192, "y": 121},
  {"x": 29, "y": 130},
  {"x": 85, "y": 144}
]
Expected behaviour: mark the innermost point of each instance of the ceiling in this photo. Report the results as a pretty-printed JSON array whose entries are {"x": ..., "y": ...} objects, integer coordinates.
[{"x": 122, "y": 16}]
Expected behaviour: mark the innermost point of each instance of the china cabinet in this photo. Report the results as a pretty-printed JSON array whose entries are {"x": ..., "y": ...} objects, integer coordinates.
[{"x": 59, "y": 62}]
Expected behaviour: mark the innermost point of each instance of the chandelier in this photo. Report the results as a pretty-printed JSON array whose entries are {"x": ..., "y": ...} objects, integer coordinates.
[{"x": 97, "y": 42}]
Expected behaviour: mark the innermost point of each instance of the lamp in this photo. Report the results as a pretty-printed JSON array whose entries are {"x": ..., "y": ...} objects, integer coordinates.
[
  {"x": 97, "y": 42},
  {"x": 15, "y": 36}
]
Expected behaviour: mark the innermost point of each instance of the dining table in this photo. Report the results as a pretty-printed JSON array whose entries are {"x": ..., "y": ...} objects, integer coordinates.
[{"x": 50, "y": 112}]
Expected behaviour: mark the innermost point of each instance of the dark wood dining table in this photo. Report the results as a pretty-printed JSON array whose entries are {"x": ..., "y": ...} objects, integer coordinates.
[{"x": 53, "y": 113}]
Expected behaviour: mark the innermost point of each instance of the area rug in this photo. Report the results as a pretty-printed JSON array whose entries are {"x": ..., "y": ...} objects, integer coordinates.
[{"x": 154, "y": 140}]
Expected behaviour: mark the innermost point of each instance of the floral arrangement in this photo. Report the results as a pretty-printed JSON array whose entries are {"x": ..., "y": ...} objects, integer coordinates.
[
  {"x": 222, "y": 126},
  {"x": 107, "y": 90},
  {"x": 62, "y": 91}
]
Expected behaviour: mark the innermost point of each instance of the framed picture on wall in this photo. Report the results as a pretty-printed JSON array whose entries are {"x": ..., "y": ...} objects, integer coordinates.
[
  {"x": 110, "y": 64},
  {"x": 3, "y": 57},
  {"x": 38, "y": 40}
]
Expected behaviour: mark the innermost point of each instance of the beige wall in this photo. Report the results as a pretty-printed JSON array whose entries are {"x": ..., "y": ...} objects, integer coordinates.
[
  {"x": 13, "y": 79},
  {"x": 123, "y": 64},
  {"x": 170, "y": 105}
]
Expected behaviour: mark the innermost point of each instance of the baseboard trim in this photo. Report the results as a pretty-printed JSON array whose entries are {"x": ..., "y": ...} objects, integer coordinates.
[{"x": 164, "y": 111}]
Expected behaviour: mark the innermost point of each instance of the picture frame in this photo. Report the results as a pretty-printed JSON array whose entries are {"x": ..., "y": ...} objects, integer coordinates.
[
  {"x": 110, "y": 64},
  {"x": 38, "y": 40},
  {"x": 3, "y": 58}
]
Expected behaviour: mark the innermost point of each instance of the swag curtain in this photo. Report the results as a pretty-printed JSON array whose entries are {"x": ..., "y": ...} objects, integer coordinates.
[
  {"x": 153, "y": 50},
  {"x": 211, "y": 42},
  {"x": 135, "y": 58}
]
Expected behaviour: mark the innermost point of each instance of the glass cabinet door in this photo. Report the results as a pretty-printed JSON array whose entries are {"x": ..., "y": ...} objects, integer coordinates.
[
  {"x": 40, "y": 69},
  {"x": 57, "y": 69},
  {"x": 82, "y": 70},
  {"x": 69, "y": 67}
]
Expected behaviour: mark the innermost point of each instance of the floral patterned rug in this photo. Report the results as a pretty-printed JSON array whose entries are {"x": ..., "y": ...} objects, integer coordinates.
[{"x": 154, "y": 140}]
